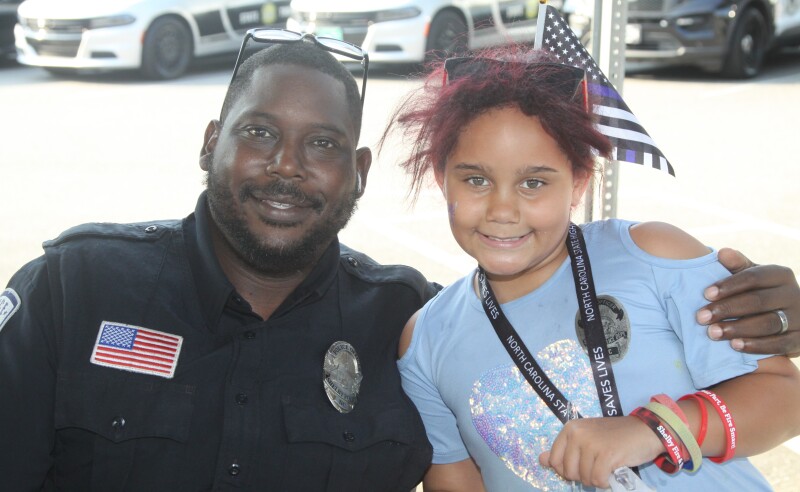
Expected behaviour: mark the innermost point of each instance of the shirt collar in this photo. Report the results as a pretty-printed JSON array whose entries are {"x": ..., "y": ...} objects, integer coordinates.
[{"x": 213, "y": 287}]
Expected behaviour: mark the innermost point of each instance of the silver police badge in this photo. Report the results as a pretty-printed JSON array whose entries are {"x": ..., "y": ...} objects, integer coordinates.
[
  {"x": 616, "y": 327},
  {"x": 342, "y": 376}
]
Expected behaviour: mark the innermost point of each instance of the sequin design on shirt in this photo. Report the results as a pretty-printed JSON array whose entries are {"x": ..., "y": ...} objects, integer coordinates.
[{"x": 515, "y": 423}]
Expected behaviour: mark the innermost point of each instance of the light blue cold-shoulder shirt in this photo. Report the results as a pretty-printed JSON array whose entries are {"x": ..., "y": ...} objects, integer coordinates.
[{"x": 475, "y": 402}]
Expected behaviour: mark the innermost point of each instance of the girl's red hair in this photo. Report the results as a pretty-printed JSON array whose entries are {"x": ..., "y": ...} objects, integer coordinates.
[{"x": 432, "y": 117}]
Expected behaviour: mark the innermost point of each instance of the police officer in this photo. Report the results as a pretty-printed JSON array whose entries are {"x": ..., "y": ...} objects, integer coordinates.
[
  {"x": 190, "y": 355},
  {"x": 242, "y": 347}
]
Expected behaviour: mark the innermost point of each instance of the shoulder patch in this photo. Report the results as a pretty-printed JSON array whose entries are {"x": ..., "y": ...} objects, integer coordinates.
[{"x": 9, "y": 304}]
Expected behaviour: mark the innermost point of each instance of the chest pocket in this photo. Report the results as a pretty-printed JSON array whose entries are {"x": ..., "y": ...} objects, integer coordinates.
[
  {"x": 118, "y": 421},
  {"x": 370, "y": 448}
]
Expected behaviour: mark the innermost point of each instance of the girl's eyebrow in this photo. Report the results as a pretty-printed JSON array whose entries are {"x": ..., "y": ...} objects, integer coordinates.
[
  {"x": 467, "y": 166},
  {"x": 537, "y": 169}
]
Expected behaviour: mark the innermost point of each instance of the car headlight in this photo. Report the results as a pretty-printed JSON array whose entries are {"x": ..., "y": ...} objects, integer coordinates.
[
  {"x": 397, "y": 14},
  {"x": 111, "y": 21}
]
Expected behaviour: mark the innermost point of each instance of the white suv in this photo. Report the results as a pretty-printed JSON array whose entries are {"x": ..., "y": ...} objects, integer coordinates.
[
  {"x": 159, "y": 37},
  {"x": 405, "y": 31}
]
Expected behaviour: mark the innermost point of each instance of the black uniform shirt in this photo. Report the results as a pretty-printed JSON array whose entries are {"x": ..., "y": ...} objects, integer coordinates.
[{"x": 245, "y": 407}]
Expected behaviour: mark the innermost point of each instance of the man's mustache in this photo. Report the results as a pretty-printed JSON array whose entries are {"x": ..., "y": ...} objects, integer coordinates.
[{"x": 280, "y": 190}]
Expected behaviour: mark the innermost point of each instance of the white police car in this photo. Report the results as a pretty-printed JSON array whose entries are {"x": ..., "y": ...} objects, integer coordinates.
[
  {"x": 408, "y": 31},
  {"x": 159, "y": 37}
]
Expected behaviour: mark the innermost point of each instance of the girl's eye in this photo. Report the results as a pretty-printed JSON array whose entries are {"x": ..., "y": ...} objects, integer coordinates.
[
  {"x": 532, "y": 183},
  {"x": 477, "y": 181}
]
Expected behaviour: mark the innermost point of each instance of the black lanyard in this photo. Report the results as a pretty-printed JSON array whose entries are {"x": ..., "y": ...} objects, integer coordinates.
[{"x": 593, "y": 328}]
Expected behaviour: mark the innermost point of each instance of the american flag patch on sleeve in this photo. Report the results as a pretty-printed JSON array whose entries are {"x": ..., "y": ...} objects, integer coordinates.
[{"x": 136, "y": 349}]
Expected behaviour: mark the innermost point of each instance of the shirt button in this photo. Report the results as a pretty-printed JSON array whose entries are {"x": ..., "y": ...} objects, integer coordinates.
[
  {"x": 234, "y": 470},
  {"x": 249, "y": 334},
  {"x": 241, "y": 398},
  {"x": 150, "y": 229},
  {"x": 348, "y": 436},
  {"x": 352, "y": 261},
  {"x": 118, "y": 422}
]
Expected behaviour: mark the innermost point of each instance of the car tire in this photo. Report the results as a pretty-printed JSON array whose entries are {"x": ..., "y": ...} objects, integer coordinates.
[
  {"x": 748, "y": 46},
  {"x": 446, "y": 37},
  {"x": 167, "y": 49}
]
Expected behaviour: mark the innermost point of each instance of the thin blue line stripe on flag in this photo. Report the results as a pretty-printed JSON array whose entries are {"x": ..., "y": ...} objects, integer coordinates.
[{"x": 616, "y": 121}]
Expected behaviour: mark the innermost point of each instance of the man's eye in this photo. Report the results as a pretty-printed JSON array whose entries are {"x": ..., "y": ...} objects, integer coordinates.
[
  {"x": 258, "y": 131},
  {"x": 324, "y": 143}
]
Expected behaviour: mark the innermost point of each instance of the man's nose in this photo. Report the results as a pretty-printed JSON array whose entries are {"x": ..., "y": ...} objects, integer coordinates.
[{"x": 287, "y": 161}]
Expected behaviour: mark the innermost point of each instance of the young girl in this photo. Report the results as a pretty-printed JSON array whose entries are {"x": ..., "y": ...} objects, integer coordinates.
[{"x": 503, "y": 364}]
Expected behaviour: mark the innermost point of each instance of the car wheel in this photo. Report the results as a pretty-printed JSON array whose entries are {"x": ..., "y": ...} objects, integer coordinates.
[
  {"x": 748, "y": 46},
  {"x": 167, "y": 49},
  {"x": 446, "y": 37}
]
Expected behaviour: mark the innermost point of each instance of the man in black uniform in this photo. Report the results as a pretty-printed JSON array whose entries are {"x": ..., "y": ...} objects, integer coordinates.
[{"x": 190, "y": 355}]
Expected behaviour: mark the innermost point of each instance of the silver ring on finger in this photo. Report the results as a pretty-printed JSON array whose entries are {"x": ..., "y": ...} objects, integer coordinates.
[{"x": 784, "y": 321}]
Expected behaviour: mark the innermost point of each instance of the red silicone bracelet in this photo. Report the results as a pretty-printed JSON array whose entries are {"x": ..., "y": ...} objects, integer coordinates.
[
  {"x": 727, "y": 422},
  {"x": 701, "y": 434}
]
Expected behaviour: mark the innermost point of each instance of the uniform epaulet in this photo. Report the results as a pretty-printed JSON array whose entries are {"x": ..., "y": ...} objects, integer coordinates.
[
  {"x": 143, "y": 231},
  {"x": 370, "y": 270}
]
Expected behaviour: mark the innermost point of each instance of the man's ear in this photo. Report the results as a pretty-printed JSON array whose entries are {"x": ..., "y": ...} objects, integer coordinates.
[
  {"x": 209, "y": 144},
  {"x": 363, "y": 163}
]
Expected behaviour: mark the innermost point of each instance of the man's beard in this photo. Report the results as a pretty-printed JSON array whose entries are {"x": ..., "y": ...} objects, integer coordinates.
[{"x": 284, "y": 259}]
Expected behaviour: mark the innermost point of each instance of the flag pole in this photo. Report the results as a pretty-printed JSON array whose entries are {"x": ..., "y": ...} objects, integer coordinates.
[{"x": 537, "y": 44}]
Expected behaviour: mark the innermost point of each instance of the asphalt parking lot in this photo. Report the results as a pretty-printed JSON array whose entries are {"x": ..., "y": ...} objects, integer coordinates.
[{"x": 116, "y": 148}]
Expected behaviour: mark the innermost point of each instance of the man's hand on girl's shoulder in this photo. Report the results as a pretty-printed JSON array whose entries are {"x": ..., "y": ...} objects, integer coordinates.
[{"x": 761, "y": 304}]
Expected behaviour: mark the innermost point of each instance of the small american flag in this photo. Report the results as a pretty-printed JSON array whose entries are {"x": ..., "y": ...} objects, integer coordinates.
[
  {"x": 630, "y": 140},
  {"x": 136, "y": 349}
]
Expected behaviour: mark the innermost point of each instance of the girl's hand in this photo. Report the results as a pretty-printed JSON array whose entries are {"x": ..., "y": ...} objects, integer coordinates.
[{"x": 590, "y": 449}]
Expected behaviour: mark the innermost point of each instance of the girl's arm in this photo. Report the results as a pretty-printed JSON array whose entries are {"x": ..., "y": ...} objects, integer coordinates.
[
  {"x": 462, "y": 476},
  {"x": 765, "y": 404}
]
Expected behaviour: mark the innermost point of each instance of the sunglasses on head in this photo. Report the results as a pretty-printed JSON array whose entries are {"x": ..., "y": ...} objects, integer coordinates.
[
  {"x": 284, "y": 36},
  {"x": 565, "y": 80}
]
